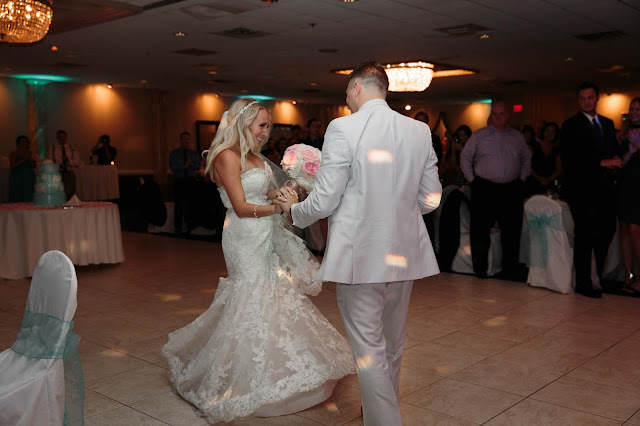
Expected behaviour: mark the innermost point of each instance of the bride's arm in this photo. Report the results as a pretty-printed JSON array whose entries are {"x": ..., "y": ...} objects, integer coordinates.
[{"x": 227, "y": 166}]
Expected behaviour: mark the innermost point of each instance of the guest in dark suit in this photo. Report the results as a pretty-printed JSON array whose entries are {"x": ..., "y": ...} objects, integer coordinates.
[
  {"x": 588, "y": 146},
  {"x": 316, "y": 138}
]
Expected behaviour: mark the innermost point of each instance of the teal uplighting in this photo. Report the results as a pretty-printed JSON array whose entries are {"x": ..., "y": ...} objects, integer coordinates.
[
  {"x": 41, "y": 78},
  {"x": 258, "y": 98},
  {"x": 484, "y": 101}
]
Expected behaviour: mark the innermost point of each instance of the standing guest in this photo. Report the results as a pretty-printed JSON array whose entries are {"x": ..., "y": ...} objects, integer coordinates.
[
  {"x": 529, "y": 135},
  {"x": 496, "y": 161},
  {"x": 296, "y": 132},
  {"x": 450, "y": 172},
  {"x": 546, "y": 162},
  {"x": 378, "y": 244},
  {"x": 184, "y": 163},
  {"x": 629, "y": 197},
  {"x": 104, "y": 151},
  {"x": 437, "y": 147},
  {"x": 315, "y": 138},
  {"x": 588, "y": 146},
  {"x": 67, "y": 158},
  {"x": 22, "y": 177},
  {"x": 435, "y": 139}
]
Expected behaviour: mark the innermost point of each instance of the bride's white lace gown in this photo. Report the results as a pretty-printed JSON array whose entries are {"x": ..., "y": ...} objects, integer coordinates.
[{"x": 262, "y": 347}]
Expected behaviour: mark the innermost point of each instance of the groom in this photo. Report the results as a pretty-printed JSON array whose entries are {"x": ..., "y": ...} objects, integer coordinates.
[{"x": 378, "y": 177}]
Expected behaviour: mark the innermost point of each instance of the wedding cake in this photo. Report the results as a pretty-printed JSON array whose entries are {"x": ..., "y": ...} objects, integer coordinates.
[{"x": 49, "y": 187}]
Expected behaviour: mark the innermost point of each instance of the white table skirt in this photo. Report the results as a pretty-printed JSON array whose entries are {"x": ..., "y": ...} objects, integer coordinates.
[
  {"x": 89, "y": 234},
  {"x": 4, "y": 184},
  {"x": 95, "y": 183}
]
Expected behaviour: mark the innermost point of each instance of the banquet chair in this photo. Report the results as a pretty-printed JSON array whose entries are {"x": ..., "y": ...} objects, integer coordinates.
[
  {"x": 545, "y": 246},
  {"x": 462, "y": 261},
  {"x": 41, "y": 379}
]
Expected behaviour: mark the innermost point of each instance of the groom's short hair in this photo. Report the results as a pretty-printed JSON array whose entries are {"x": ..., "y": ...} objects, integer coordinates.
[{"x": 371, "y": 74}]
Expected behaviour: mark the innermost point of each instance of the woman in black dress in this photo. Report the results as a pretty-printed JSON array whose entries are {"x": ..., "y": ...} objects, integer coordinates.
[
  {"x": 629, "y": 197},
  {"x": 546, "y": 164}
]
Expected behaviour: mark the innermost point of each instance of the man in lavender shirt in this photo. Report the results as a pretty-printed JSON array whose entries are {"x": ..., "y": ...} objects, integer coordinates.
[{"x": 496, "y": 161}]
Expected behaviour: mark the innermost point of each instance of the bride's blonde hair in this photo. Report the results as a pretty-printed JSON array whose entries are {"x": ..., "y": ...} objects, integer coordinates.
[{"x": 234, "y": 129}]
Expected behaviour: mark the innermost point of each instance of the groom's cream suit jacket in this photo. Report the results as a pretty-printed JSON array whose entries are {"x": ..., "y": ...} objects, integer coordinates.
[{"x": 378, "y": 176}]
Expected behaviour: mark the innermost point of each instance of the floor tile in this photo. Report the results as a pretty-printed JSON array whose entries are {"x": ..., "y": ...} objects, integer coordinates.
[
  {"x": 595, "y": 398},
  {"x": 172, "y": 409},
  {"x": 518, "y": 379},
  {"x": 342, "y": 407},
  {"x": 535, "y": 413},
  {"x": 124, "y": 416},
  {"x": 462, "y": 400},
  {"x": 133, "y": 385}
]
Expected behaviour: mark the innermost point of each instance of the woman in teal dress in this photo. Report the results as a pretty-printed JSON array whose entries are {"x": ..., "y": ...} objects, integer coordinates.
[{"x": 22, "y": 178}]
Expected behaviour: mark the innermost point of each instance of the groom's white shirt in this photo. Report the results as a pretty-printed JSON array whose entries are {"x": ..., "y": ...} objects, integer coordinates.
[{"x": 378, "y": 176}]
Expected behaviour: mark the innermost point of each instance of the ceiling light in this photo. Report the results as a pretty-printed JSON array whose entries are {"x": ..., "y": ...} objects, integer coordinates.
[
  {"x": 568, "y": 59},
  {"x": 409, "y": 76},
  {"x": 348, "y": 1},
  {"x": 110, "y": 86},
  {"x": 179, "y": 34},
  {"x": 54, "y": 48},
  {"x": 212, "y": 72},
  {"x": 407, "y": 107},
  {"x": 294, "y": 102},
  {"x": 24, "y": 21},
  {"x": 143, "y": 81},
  {"x": 313, "y": 84},
  {"x": 484, "y": 36},
  {"x": 270, "y": 1}
]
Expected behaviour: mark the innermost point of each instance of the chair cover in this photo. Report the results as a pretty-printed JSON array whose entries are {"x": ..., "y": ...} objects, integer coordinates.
[
  {"x": 462, "y": 262},
  {"x": 545, "y": 246},
  {"x": 40, "y": 376}
]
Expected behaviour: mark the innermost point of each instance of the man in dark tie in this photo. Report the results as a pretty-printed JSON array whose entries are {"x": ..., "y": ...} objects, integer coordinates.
[
  {"x": 316, "y": 138},
  {"x": 184, "y": 163},
  {"x": 588, "y": 146}
]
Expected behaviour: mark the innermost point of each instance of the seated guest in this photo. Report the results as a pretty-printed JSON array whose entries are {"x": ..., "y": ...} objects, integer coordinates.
[
  {"x": 546, "y": 163},
  {"x": 22, "y": 177},
  {"x": 105, "y": 152},
  {"x": 67, "y": 158},
  {"x": 450, "y": 172}
]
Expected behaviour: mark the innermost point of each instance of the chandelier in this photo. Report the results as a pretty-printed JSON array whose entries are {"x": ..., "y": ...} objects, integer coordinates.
[
  {"x": 24, "y": 21},
  {"x": 409, "y": 76}
]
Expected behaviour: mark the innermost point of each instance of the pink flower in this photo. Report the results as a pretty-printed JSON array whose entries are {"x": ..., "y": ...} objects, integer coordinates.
[
  {"x": 310, "y": 168},
  {"x": 309, "y": 154},
  {"x": 289, "y": 157}
]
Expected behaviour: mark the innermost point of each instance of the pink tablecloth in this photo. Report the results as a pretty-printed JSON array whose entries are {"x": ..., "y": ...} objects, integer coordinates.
[{"x": 88, "y": 234}]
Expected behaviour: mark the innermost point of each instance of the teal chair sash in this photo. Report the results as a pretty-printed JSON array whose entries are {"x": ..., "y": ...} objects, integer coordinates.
[
  {"x": 43, "y": 336},
  {"x": 537, "y": 225}
]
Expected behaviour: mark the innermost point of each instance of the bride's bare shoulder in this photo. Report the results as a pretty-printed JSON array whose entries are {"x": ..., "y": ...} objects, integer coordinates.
[{"x": 227, "y": 161}]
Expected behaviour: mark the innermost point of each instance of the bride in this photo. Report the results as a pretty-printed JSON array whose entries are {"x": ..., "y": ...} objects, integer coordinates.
[{"x": 262, "y": 347}]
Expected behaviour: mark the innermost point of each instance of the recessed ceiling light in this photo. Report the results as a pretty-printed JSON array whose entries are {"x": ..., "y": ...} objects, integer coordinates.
[
  {"x": 54, "y": 48},
  {"x": 348, "y": 1},
  {"x": 294, "y": 102},
  {"x": 179, "y": 34},
  {"x": 484, "y": 36},
  {"x": 313, "y": 84},
  {"x": 212, "y": 72},
  {"x": 143, "y": 81},
  {"x": 110, "y": 86},
  {"x": 568, "y": 59},
  {"x": 407, "y": 107},
  {"x": 244, "y": 91}
]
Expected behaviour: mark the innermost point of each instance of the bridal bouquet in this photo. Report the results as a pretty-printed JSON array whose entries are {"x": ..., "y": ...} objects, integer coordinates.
[{"x": 301, "y": 163}]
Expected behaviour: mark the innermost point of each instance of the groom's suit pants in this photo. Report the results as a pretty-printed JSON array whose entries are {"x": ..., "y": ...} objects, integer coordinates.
[{"x": 374, "y": 316}]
